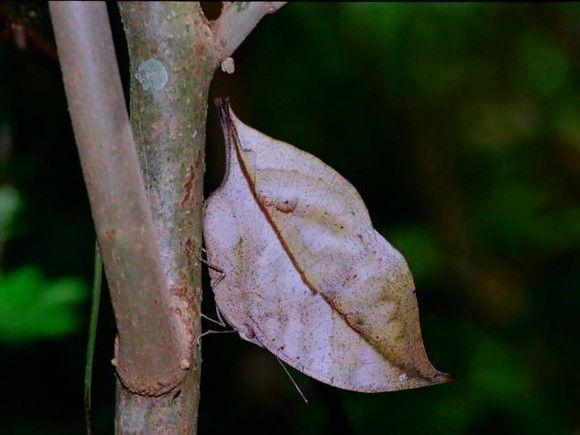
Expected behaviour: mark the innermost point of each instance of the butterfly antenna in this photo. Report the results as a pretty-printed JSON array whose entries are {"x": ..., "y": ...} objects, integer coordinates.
[{"x": 292, "y": 380}]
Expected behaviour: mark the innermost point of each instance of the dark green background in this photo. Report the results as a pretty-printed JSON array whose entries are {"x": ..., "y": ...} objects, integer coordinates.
[{"x": 458, "y": 124}]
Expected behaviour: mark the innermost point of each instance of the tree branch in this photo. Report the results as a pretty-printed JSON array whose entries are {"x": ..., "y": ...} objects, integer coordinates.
[
  {"x": 172, "y": 63},
  {"x": 152, "y": 340},
  {"x": 235, "y": 23},
  {"x": 147, "y": 204}
]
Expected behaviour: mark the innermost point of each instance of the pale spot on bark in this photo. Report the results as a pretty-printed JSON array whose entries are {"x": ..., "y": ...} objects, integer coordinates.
[{"x": 152, "y": 75}]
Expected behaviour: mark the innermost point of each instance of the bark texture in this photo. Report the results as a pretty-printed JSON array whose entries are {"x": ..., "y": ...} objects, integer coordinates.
[{"x": 171, "y": 69}]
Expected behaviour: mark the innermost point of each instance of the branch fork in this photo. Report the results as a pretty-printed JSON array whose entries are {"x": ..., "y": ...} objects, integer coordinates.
[
  {"x": 236, "y": 22},
  {"x": 141, "y": 223}
]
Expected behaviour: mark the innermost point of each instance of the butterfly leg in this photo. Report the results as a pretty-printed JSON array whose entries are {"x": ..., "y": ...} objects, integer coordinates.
[
  {"x": 219, "y": 316},
  {"x": 218, "y": 322},
  {"x": 212, "y": 331},
  {"x": 212, "y": 267}
]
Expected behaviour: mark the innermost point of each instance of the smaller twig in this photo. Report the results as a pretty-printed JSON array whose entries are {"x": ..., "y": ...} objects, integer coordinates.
[{"x": 235, "y": 23}]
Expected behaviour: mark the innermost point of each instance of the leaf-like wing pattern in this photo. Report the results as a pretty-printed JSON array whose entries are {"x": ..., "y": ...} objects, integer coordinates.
[{"x": 306, "y": 275}]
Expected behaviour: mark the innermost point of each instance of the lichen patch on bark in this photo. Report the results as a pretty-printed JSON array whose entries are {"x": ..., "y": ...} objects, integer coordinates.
[{"x": 152, "y": 75}]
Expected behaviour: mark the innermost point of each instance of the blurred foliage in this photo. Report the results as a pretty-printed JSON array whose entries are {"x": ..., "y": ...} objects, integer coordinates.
[
  {"x": 32, "y": 308},
  {"x": 459, "y": 125},
  {"x": 11, "y": 204}
]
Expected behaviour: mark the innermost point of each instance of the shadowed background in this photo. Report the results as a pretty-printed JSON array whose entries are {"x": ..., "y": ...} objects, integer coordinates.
[{"x": 458, "y": 124}]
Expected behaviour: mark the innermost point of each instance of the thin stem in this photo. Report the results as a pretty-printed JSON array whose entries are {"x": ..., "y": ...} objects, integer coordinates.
[{"x": 97, "y": 278}]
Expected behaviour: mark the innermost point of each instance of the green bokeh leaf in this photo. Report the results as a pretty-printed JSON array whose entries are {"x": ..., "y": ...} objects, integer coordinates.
[
  {"x": 11, "y": 204},
  {"x": 420, "y": 249},
  {"x": 34, "y": 308}
]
